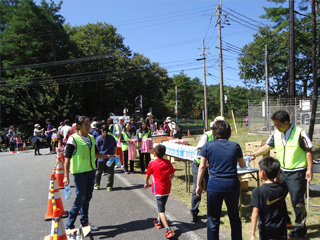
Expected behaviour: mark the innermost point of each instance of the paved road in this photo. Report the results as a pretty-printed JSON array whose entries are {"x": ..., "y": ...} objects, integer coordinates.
[{"x": 125, "y": 213}]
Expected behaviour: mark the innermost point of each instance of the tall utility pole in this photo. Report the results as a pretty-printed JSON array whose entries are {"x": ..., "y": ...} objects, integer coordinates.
[
  {"x": 291, "y": 85},
  {"x": 204, "y": 83},
  {"x": 267, "y": 86},
  {"x": 177, "y": 104},
  {"x": 220, "y": 61},
  {"x": 314, "y": 71}
]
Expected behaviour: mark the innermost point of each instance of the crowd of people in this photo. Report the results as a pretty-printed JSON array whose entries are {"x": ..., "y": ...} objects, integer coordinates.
[{"x": 90, "y": 145}]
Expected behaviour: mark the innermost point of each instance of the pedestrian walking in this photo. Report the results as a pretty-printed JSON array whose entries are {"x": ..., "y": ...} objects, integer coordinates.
[
  {"x": 162, "y": 174},
  {"x": 79, "y": 159},
  {"x": 107, "y": 145}
]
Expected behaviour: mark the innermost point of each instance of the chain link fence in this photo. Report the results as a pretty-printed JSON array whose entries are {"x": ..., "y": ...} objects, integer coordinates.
[{"x": 300, "y": 114}]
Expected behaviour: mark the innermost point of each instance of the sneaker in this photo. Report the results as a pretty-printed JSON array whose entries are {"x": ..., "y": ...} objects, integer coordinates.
[
  {"x": 157, "y": 224},
  {"x": 297, "y": 234},
  {"x": 39, "y": 154},
  {"x": 193, "y": 218},
  {"x": 93, "y": 228},
  {"x": 116, "y": 166},
  {"x": 104, "y": 174},
  {"x": 169, "y": 234},
  {"x": 131, "y": 172},
  {"x": 126, "y": 172},
  {"x": 74, "y": 235},
  {"x": 96, "y": 187},
  {"x": 109, "y": 189}
]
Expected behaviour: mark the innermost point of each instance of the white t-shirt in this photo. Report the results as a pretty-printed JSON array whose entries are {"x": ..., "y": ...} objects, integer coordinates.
[
  {"x": 73, "y": 142},
  {"x": 65, "y": 130}
]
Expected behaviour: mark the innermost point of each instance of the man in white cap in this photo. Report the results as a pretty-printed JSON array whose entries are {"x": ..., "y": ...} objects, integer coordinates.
[
  {"x": 195, "y": 200},
  {"x": 149, "y": 120},
  {"x": 174, "y": 128}
]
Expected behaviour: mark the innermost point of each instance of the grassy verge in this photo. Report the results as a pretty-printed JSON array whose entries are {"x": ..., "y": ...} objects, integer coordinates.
[{"x": 179, "y": 191}]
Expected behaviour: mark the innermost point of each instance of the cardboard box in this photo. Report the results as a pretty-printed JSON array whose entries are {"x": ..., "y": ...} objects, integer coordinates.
[
  {"x": 273, "y": 153},
  {"x": 161, "y": 139},
  {"x": 244, "y": 185},
  {"x": 252, "y": 146}
]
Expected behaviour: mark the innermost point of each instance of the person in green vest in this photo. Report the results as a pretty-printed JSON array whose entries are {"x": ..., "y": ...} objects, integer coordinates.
[
  {"x": 143, "y": 132},
  {"x": 126, "y": 139},
  {"x": 195, "y": 199},
  {"x": 81, "y": 152},
  {"x": 294, "y": 153}
]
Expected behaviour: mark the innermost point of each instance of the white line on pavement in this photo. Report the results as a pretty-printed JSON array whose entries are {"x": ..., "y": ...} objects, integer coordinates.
[{"x": 186, "y": 232}]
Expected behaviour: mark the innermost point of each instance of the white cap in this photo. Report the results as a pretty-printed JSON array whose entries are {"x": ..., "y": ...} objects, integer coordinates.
[
  {"x": 149, "y": 114},
  {"x": 121, "y": 118},
  {"x": 37, "y": 125}
]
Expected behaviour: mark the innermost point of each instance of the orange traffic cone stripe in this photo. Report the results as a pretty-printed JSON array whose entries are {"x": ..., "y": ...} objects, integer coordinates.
[
  {"x": 59, "y": 173},
  {"x": 188, "y": 133},
  {"x": 54, "y": 199},
  {"x": 57, "y": 228},
  {"x": 24, "y": 146}
]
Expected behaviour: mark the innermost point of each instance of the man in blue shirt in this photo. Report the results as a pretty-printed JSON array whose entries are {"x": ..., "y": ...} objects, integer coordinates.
[{"x": 106, "y": 145}]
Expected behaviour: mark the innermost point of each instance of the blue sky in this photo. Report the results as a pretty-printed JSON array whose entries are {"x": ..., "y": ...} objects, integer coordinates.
[{"x": 171, "y": 32}]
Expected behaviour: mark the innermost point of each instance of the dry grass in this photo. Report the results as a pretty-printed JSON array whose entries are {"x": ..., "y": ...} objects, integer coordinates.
[{"x": 179, "y": 190}]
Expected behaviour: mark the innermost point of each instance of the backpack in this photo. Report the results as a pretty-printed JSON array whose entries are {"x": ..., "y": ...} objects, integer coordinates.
[{"x": 179, "y": 128}]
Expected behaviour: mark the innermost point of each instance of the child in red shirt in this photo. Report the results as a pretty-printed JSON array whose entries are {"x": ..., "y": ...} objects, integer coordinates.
[{"x": 163, "y": 172}]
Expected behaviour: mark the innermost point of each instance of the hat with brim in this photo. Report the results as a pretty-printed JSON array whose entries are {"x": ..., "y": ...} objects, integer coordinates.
[
  {"x": 94, "y": 124},
  {"x": 168, "y": 119},
  {"x": 37, "y": 125},
  {"x": 149, "y": 114}
]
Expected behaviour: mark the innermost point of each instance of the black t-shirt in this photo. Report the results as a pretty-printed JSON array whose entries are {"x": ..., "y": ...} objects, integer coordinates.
[{"x": 270, "y": 199}]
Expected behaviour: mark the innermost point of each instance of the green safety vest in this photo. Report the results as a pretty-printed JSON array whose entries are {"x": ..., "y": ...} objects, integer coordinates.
[
  {"x": 290, "y": 156},
  {"x": 117, "y": 130},
  {"x": 210, "y": 138},
  {"x": 111, "y": 133},
  {"x": 125, "y": 145},
  {"x": 83, "y": 160},
  {"x": 145, "y": 136}
]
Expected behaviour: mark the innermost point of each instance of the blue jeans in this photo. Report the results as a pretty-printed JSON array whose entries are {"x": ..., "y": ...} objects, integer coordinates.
[
  {"x": 84, "y": 183},
  {"x": 214, "y": 204}
]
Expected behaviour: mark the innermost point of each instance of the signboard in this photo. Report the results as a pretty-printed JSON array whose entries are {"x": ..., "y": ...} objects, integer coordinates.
[{"x": 116, "y": 119}]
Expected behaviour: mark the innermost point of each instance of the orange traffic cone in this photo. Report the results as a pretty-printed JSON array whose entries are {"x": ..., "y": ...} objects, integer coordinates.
[
  {"x": 59, "y": 173},
  {"x": 24, "y": 146},
  {"x": 204, "y": 130},
  {"x": 189, "y": 133},
  {"x": 231, "y": 128},
  {"x": 57, "y": 226},
  {"x": 171, "y": 134},
  {"x": 54, "y": 199}
]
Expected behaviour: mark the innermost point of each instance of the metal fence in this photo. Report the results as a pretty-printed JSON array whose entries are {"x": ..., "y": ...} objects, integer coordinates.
[{"x": 300, "y": 114}]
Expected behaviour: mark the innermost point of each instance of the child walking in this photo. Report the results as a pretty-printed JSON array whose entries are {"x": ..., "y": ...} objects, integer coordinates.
[
  {"x": 268, "y": 203},
  {"x": 163, "y": 172}
]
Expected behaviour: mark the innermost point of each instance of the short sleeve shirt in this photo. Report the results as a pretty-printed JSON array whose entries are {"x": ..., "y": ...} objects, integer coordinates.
[
  {"x": 161, "y": 181},
  {"x": 270, "y": 199},
  {"x": 223, "y": 157},
  {"x": 106, "y": 146}
]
